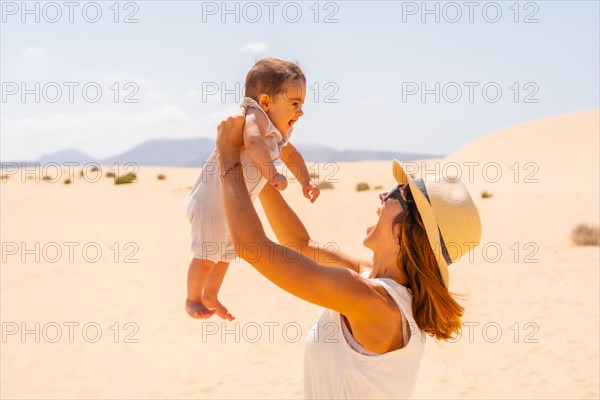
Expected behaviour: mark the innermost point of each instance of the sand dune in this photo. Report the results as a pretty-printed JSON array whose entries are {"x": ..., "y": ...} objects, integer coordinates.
[
  {"x": 558, "y": 149},
  {"x": 532, "y": 311},
  {"x": 541, "y": 291}
]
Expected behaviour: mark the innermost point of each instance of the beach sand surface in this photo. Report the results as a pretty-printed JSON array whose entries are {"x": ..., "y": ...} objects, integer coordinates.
[{"x": 93, "y": 281}]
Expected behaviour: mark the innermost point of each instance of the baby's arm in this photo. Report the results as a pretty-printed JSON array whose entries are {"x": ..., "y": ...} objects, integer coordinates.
[
  {"x": 295, "y": 162},
  {"x": 255, "y": 131}
]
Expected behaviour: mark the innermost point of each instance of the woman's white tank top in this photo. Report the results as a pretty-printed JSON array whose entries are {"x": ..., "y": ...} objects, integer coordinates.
[{"x": 334, "y": 370}]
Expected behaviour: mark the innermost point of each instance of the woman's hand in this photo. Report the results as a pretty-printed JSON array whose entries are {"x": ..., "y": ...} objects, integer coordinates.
[{"x": 230, "y": 135}]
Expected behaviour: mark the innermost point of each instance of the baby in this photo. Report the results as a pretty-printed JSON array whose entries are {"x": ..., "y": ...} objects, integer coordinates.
[{"x": 274, "y": 95}]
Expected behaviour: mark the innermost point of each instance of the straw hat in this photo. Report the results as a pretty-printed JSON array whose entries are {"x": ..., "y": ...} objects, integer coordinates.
[{"x": 450, "y": 217}]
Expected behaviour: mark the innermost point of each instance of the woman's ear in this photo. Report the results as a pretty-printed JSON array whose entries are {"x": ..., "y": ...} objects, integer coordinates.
[{"x": 264, "y": 101}]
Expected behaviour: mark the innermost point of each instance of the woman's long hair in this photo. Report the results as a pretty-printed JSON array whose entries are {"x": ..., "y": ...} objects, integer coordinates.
[{"x": 434, "y": 308}]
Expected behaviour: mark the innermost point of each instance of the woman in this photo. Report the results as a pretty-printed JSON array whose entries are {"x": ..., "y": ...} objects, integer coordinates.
[{"x": 370, "y": 340}]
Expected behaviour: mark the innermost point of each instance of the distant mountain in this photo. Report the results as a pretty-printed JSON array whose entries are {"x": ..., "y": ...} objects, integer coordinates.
[
  {"x": 166, "y": 152},
  {"x": 315, "y": 152},
  {"x": 68, "y": 155},
  {"x": 194, "y": 152}
]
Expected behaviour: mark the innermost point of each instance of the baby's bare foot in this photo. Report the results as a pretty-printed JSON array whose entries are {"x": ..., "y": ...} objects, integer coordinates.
[
  {"x": 220, "y": 308},
  {"x": 196, "y": 309}
]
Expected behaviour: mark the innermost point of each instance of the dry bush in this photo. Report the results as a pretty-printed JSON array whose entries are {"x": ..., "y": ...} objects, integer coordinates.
[
  {"x": 361, "y": 186},
  {"x": 378, "y": 187},
  {"x": 161, "y": 177},
  {"x": 47, "y": 178},
  {"x": 94, "y": 169},
  {"x": 585, "y": 235},
  {"x": 4, "y": 178},
  {"x": 110, "y": 174},
  {"x": 486, "y": 195},
  {"x": 314, "y": 175},
  {"x": 67, "y": 181},
  {"x": 129, "y": 177},
  {"x": 326, "y": 185}
]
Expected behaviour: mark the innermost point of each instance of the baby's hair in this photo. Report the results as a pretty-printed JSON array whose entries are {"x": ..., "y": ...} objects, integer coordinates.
[{"x": 269, "y": 75}]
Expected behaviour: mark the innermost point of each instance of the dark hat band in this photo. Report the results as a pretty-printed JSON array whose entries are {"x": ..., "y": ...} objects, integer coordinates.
[{"x": 421, "y": 185}]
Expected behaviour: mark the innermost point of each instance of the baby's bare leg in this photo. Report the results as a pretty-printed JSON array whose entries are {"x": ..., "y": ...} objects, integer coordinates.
[
  {"x": 198, "y": 275},
  {"x": 211, "y": 290}
]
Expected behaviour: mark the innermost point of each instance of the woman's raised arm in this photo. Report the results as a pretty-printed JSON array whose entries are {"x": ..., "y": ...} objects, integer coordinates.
[
  {"x": 292, "y": 233},
  {"x": 339, "y": 289}
]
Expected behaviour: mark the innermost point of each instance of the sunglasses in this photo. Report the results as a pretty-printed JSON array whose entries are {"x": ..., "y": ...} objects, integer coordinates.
[{"x": 396, "y": 193}]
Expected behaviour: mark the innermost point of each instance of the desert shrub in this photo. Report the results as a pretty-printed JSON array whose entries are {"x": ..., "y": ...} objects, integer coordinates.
[
  {"x": 47, "y": 178},
  {"x": 486, "y": 195},
  {"x": 161, "y": 177},
  {"x": 93, "y": 169},
  {"x": 585, "y": 235},
  {"x": 110, "y": 174},
  {"x": 129, "y": 177},
  {"x": 67, "y": 181},
  {"x": 4, "y": 177},
  {"x": 314, "y": 175},
  {"x": 325, "y": 185},
  {"x": 362, "y": 186},
  {"x": 378, "y": 187}
]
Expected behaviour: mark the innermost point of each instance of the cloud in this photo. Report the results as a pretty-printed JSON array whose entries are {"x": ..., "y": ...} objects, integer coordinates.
[
  {"x": 32, "y": 54},
  {"x": 254, "y": 48},
  {"x": 103, "y": 133}
]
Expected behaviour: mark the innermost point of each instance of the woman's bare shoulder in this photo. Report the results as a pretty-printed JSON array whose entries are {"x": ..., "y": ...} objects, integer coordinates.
[{"x": 381, "y": 329}]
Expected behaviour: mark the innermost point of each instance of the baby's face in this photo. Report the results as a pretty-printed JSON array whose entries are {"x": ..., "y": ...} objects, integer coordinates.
[{"x": 286, "y": 107}]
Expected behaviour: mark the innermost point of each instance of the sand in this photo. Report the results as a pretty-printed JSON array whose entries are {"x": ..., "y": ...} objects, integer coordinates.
[{"x": 112, "y": 325}]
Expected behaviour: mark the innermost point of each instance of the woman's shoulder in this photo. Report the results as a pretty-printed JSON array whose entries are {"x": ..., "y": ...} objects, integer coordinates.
[
  {"x": 401, "y": 295},
  {"x": 379, "y": 331},
  {"x": 388, "y": 284}
]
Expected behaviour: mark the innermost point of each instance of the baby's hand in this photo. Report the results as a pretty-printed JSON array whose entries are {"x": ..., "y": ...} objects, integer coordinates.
[
  {"x": 279, "y": 182},
  {"x": 311, "y": 191}
]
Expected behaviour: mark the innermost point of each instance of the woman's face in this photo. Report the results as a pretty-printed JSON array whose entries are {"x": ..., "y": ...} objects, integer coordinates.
[{"x": 381, "y": 234}]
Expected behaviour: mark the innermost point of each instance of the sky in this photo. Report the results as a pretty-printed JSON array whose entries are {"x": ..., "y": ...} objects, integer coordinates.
[{"x": 424, "y": 77}]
